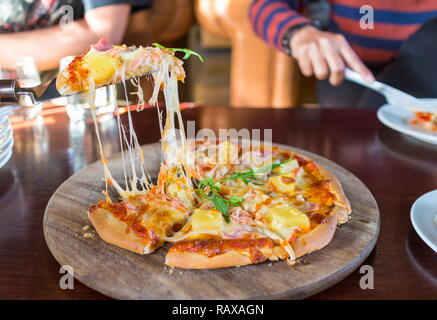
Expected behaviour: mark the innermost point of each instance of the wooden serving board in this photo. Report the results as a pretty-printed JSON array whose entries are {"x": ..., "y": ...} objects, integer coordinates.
[{"x": 121, "y": 274}]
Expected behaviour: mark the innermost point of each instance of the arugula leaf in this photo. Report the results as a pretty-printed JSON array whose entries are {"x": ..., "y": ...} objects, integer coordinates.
[
  {"x": 221, "y": 205},
  {"x": 235, "y": 201},
  {"x": 213, "y": 195},
  {"x": 188, "y": 52},
  {"x": 248, "y": 176}
]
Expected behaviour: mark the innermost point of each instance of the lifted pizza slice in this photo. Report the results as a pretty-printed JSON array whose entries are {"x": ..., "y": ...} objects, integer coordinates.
[{"x": 105, "y": 64}]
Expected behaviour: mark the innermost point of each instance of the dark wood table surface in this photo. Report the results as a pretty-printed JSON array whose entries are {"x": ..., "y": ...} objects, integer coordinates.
[{"x": 397, "y": 169}]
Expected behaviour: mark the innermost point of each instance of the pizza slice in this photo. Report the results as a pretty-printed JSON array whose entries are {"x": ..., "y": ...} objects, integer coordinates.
[
  {"x": 105, "y": 64},
  {"x": 425, "y": 120}
]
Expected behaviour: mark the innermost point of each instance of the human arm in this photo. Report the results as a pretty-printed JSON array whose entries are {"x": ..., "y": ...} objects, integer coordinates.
[
  {"x": 319, "y": 53},
  {"x": 47, "y": 46}
]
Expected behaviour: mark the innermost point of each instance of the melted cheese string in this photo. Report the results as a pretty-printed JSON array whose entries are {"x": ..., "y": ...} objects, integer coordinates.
[
  {"x": 165, "y": 78},
  {"x": 107, "y": 173}
]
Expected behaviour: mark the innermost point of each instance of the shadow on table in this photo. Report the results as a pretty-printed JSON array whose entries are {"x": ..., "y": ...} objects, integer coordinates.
[
  {"x": 422, "y": 257},
  {"x": 8, "y": 184},
  {"x": 407, "y": 148}
]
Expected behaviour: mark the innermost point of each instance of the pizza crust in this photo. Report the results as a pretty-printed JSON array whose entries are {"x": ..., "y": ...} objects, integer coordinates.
[
  {"x": 343, "y": 208},
  {"x": 317, "y": 238},
  {"x": 191, "y": 260},
  {"x": 231, "y": 258},
  {"x": 116, "y": 232}
]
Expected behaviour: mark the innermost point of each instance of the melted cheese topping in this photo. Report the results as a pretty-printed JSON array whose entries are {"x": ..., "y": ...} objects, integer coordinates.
[{"x": 282, "y": 204}]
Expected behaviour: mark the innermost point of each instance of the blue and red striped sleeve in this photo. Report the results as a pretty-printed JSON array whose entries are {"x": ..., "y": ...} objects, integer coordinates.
[{"x": 272, "y": 18}]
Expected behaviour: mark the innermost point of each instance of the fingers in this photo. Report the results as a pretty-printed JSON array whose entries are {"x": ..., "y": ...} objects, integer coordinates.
[
  {"x": 318, "y": 62},
  {"x": 334, "y": 60},
  {"x": 304, "y": 63},
  {"x": 321, "y": 59},
  {"x": 352, "y": 60},
  {"x": 328, "y": 54}
]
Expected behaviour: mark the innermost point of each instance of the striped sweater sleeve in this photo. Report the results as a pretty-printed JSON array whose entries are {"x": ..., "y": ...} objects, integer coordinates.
[{"x": 272, "y": 18}]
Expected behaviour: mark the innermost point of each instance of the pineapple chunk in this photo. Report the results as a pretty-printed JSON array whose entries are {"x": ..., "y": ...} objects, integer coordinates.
[
  {"x": 283, "y": 183},
  {"x": 283, "y": 218},
  {"x": 287, "y": 167},
  {"x": 206, "y": 220},
  {"x": 102, "y": 67}
]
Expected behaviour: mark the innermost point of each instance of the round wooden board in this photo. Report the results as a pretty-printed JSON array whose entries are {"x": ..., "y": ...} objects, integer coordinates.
[{"x": 121, "y": 274}]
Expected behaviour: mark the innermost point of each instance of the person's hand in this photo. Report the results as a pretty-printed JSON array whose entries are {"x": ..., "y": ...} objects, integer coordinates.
[{"x": 325, "y": 54}]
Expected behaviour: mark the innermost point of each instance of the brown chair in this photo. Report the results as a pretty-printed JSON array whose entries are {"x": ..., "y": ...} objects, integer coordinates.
[{"x": 260, "y": 75}]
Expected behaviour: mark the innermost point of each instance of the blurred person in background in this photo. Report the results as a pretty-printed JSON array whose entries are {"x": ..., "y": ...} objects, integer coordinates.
[
  {"x": 49, "y": 30},
  {"x": 394, "y": 40}
]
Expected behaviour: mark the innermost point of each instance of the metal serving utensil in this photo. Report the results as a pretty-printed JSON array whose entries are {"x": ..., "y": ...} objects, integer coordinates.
[
  {"x": 393, "y": 96},
  {"x": 10, "y": 91}
]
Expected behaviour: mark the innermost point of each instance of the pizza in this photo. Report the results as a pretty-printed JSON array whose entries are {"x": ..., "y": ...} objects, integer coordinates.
[
  {"x": 425, "y": 120},
  {"x": 279, "y": 206},
  {"x": 218, "y": 203}
]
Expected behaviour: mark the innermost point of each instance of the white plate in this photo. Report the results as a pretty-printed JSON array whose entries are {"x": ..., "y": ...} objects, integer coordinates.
[
  {"x": 5, "y": 157},
  {"x": 398, "y": 119},
  {"x": 4, "y": 125},
  {"x": 5, "y": 140},
  {"x": 424, "y": 218}
]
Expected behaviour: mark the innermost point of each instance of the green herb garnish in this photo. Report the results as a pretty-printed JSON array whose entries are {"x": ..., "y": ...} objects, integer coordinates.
[
  {"x": 187, "y": 52},
  {"x": 221, "y": 204},
  {"x": 208, "y": 189},
  {"x": 249, "y": 176}
]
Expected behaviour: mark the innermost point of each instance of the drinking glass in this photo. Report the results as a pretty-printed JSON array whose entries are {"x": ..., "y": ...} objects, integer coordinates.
[
  {"x": 105, "y": 102},
  {"x": 27, "y": 74}
]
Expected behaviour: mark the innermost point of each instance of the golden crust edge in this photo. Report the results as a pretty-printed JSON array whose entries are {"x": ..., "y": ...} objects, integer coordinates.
[
  {"x": 317, "y": 238},
  {"x": 116, "y": 232},
  {"x": 191, "y": 260},
  {"x": 232, "y": 258}
]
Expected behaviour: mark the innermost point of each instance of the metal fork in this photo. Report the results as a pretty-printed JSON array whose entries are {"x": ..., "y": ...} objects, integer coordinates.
[
  {"x": 393, "y": 96},
  {"x": 10, "y": 91}
]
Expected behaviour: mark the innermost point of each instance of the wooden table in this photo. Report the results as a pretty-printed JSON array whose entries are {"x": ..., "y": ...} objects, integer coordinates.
[{"x": 396, "y": 168}]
